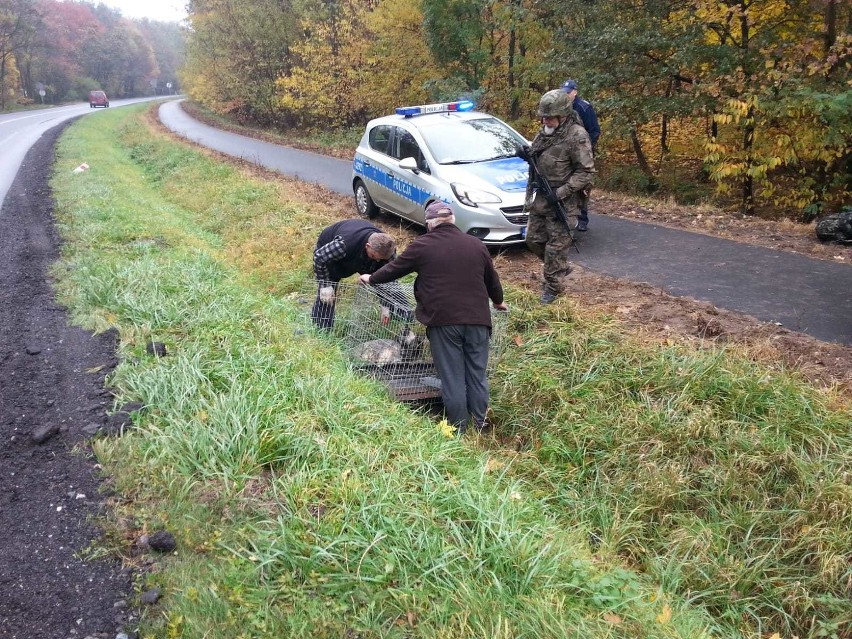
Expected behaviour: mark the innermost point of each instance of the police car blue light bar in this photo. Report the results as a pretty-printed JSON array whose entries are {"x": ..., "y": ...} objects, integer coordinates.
[{"x": 440, "y": 107}]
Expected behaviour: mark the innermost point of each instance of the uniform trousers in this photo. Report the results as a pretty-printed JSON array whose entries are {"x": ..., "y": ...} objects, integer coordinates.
[{"x": 548, "y": 238}]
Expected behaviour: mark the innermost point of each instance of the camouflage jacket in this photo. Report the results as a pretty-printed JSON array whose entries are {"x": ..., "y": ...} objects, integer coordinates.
[{"x": 566, "y": 160}]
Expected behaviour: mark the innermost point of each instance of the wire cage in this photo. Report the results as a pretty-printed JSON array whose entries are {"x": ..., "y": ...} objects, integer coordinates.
[{"x": 396, "y": 351}]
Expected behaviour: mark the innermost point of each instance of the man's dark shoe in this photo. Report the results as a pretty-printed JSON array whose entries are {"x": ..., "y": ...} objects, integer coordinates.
[
  {"x": 547, "y": 297},
  {"x": 484, "y": 426},
  {"x": 582, "y": 226}
]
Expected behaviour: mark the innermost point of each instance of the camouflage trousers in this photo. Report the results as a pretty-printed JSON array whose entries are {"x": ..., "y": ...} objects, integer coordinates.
[{"x": 548, "y": 238}]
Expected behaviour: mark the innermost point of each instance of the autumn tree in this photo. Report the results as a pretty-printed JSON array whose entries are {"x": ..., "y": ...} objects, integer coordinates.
[
  {"x": 783, "y": 88},
  {"x": 19, "y": 22},
  {"x": 236, "y": 52},
  {"x": 637, "y": 60},
  {"x": 456, "y": 37},
  {"x": 168, "y": 43},
  {"x": 55, "y": 61},
  {"x": 330, "y": 63},
  {"x": 394, "y": 31},
  {"x": 518, "y": 37}
]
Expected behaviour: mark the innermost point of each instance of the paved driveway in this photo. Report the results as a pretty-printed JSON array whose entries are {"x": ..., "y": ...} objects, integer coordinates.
[{"x": 802, "y": 294}]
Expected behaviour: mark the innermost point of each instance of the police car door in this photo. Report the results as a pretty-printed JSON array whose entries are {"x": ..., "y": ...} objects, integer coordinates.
[
  {"x": 412, "y": 187},
  {"x": 375, "y": 165}
]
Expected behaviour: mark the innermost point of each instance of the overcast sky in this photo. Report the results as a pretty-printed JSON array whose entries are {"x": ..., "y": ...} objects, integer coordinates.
[{"x": 164, "y": 10}]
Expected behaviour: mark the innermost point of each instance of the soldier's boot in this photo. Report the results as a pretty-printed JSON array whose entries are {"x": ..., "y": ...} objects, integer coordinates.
[{"x": 548, "y": 297}]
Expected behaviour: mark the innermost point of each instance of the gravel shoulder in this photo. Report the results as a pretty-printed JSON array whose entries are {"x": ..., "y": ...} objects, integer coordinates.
[{"x": 52, "y": 400}]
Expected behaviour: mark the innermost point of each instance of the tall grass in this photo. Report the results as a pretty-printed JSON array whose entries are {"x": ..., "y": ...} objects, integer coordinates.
[
  {"x": 721, "y": 479},
  {"x": 641, "y": 491}
]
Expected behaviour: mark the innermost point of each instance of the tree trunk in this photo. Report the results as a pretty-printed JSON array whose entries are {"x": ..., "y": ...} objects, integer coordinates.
[
  {"x": 748, "y": 178},
  {"x": 830, "y": 24},
  {"x": 748, "y": 131},
  {"x": 514, "y": 107},
  {"x": 664, "y": 132},
  {"x": 3, "y": 83},
  {"x": 642, "y": 160}
]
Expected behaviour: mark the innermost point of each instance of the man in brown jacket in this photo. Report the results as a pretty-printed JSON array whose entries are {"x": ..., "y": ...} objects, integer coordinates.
[{"x": 455, "y": 280}]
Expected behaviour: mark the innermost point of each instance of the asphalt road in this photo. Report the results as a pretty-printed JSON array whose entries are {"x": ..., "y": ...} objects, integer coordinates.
[
  {"x": 20, "y": 130},
  {"x": 332, "y": 173},
  {"x": 800, "y": 293}
]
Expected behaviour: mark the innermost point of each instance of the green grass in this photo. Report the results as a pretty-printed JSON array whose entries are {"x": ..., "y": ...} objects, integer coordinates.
[
  {"x": 642, "y": 491},
  {"x": 717, "y": 477},
  {"x": 14, "y": 107}
]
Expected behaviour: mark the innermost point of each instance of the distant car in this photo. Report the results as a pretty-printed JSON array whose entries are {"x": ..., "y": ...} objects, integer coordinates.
[
  {"x": 98, "y": 98},
  {"x": 445, "y": 152}
]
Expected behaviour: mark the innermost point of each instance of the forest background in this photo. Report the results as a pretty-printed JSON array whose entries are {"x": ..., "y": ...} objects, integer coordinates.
[
  {"x": 67, "y": 49},
  {"x": 744, "y": 101},
  {"x": 746, "y": 104}
]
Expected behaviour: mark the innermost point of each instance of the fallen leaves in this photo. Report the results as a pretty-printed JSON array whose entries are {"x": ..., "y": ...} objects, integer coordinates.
[{"x": 446, "y": 429}]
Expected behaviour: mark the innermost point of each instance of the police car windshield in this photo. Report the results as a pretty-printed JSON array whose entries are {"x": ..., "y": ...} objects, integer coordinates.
[{"x": 468, "y": 141}]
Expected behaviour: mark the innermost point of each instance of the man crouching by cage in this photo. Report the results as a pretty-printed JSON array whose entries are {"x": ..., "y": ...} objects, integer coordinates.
[
  {"x": 343, "y": 249},
  {"x": 455, "y": 279}
]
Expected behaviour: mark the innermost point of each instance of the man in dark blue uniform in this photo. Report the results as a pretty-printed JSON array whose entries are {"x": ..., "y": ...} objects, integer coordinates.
[{"x": 590, "y": 121}]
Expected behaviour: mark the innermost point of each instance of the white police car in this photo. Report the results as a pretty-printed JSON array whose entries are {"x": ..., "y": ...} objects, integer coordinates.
[{"x": 446, "y": 152}]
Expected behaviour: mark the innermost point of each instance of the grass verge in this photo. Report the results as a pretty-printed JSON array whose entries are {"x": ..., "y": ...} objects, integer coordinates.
[{"x": 635, "y": 491}]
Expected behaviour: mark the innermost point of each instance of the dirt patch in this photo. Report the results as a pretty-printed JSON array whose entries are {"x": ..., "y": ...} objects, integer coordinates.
[
  {"x": 657, "y": 316},
  {"x": 52, "y": 400}
]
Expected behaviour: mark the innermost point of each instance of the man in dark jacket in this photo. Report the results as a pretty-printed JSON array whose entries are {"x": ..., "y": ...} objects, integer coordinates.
[
  {"x": 587, "y": 114},
  {"x": 343, "y": 249},
  {"x": 455, "y": 280}
]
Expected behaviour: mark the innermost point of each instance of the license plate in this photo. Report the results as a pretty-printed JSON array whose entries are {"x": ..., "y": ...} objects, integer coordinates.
[{"x": 524, "y": 232}]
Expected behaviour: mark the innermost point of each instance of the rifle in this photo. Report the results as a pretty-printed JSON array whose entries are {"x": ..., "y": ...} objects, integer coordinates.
[{"x": 562, "y": 214}]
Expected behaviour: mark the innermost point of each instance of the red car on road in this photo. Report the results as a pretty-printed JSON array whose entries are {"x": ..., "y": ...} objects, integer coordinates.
[{"x": 98, "y": 98}]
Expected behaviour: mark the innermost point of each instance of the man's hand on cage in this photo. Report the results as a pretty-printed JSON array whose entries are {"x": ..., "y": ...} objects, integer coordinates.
[
  {"x": 364, "y": 279},
  {"x": 326, "y": 294},
  {"x": 386, "y": 313}
]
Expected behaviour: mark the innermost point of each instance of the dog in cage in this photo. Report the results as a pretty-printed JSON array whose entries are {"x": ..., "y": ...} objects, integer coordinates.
[{"x": 408, "y": 347}]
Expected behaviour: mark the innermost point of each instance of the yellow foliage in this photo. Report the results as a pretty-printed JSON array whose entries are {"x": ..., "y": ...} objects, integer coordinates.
[
  {"x": 446, "y": 429},
  {"x": 396, "y": 28}
]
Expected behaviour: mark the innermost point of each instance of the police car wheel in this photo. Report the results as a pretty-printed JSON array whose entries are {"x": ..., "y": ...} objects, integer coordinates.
[{"x": 366, "y": 207}]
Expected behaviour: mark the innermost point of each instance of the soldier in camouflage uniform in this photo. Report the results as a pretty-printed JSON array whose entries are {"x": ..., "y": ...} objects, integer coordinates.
[{"x": 563, "y": 154}]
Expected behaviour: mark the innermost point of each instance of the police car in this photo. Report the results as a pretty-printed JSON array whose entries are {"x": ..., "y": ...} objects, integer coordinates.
[{"x": 446, "y": 152}]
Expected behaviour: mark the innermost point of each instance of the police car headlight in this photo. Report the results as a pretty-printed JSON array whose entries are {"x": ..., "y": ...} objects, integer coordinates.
[{"x": 473, "y": 197}]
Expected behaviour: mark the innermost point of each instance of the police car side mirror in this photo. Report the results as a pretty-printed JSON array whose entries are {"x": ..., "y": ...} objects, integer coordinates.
[{"x": 409, "y": 164}]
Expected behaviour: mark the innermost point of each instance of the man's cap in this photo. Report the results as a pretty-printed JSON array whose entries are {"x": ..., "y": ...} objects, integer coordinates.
[
  {"x": 438, "y": 209},
  {"x": 569, "y": 85}
]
